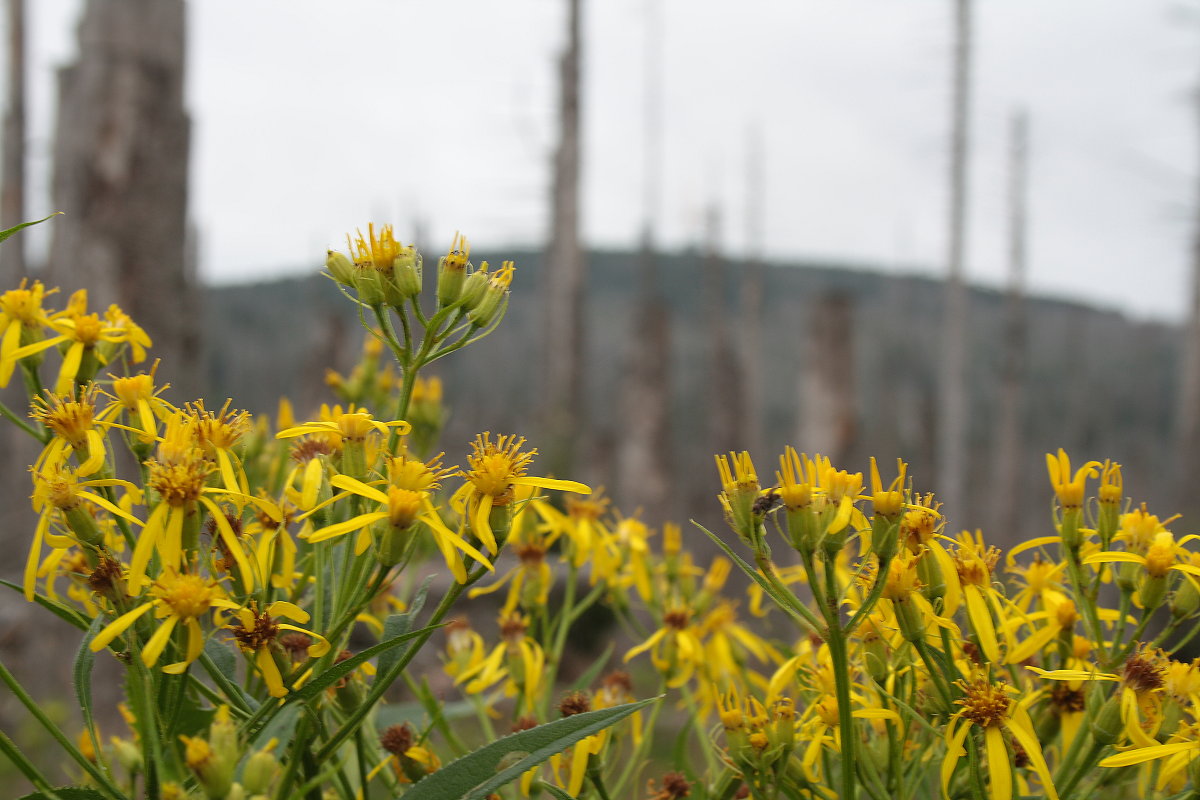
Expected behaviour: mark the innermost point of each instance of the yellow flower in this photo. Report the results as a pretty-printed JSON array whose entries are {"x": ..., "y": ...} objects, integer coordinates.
[
  {"x": 517, "y": 660},
  {"x": 495, "y": 469},
  {"x": 137, "y": 396},
  {"x": 21, "y": 320},
  {"x": 179, "y": 476},
  {"x": 675, "y": 648},
  {"x": 178, "y": 599},
  {"x": 83, "y": 333},
  {"x": 973, "y": 562},
  {"x": 60, "y": 497},
  {"x": 888, "y": 502},
  {"x": 347, "y": 431},
  {"x": 1068, "y": 487},
  {"x": 988, "y": 706},
  {"x": 257, "y": 632},
  {"x": 217, "y": 433},
  {"x": 72, "y": 419},
  {"x": 402, "y": 508},
  {"x": 1180, "y": 751}
]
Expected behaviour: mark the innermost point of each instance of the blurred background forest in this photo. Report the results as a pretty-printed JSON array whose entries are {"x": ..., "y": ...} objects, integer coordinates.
[{"x": 960, "y": 236}]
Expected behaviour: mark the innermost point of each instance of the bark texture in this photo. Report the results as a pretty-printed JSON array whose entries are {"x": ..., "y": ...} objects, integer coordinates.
[
  {"x": 564, "y": 275},
  {"x": 953, "y": 422},
  {"x": 1009, "y": 432},
  {"x": 12, "y": 167},
  {"x": 828, "y": 401},
  {"x": 121, "y": 174}
]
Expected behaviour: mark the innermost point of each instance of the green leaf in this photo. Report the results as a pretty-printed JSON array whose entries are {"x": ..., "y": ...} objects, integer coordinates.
[
  {"x": 281, "y": 727},
  {"x": 589, "y": 676},
  {"x": 67, "y": 793},
  {"x": 400, "y": 624},
  {"x": 785, "y": 604},
  {"x": 7, "y": 233},
  {"x": 222, "y": 661},
  {"x": 82, "y": 674},
  {"x": 480, "y": 773},
  {"x": 554, "y": 791},
  {"x": 338, "y": 671},
  {"x": 61, "y": 611}
]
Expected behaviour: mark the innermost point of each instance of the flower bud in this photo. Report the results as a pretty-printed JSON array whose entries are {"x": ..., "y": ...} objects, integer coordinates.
[
  {"x": 452, "y": 272},
  {"x": 1152, "y": 590},
  {"x": 128, "y": 755},
  {"x": 341, "y": 268},
  {"x": 1106, "y": 724},
  {"x": 211, "y": 770},
  {"x": 1186, "y": 599},
  {"x": 495, "y": 292},
  {"x": 260, "y": 771},
  {"x": 1072, "y": 537},
  {"x": 474, "y": 287},
  {"x": 407, "y": 272}
]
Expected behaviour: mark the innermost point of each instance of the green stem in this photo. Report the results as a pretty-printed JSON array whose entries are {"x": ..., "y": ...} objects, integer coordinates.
[
  {"x": 14, "y": 754},
  {"x": 935, "y": 671},
  {"x": 1133, "y": 640},
  {"x": 872, "y": 598},
  {"x": 382, "y": 682},
  {"x": 233, "y": 695},
  {"x": 710, "y": 760},
  {"x": 595, "y": 777},
  {"x": 19, "y": 692},
  {"x": 784, "y": 597},
  {"x": 841, "y": 676},
  {"x": 1081, "y": 771},
  {"x": 554, "y": 657},
  {"x": 41, "y": 436},
  {"x": 638, "y": 757},
  {"x": 1090, "y": 618}
]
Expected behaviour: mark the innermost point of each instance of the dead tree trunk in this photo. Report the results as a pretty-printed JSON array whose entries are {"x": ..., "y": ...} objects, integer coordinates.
[
  {"x": 750, "y": 319},
  {"x": 12, "y": 190},
  {"x": 1009, "y": 443},
  {"x": 643, "y": 455},
  {"x": 643, "y": 452},
  {"x": 724, "y": 380},
  {"x": 954, "y": 428},
  {"x": 565, "y": 269},
  {"x": 1187, "y": 415},
  {"x": 121, "y": 174},
  {"x": 828, "y": 398}
]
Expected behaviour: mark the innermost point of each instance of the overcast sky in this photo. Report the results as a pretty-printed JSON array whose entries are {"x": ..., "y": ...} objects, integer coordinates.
[{"x": 312, "y": 117}]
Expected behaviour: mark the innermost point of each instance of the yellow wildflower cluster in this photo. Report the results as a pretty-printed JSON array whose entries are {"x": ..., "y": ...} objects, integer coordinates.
[{"x": 844, "y": 644}]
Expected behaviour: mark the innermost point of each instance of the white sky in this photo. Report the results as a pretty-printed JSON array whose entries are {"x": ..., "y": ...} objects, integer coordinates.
[{"x": 311, "y": 118}]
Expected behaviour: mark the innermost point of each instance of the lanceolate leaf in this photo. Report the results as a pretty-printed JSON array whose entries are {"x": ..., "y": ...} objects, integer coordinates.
[
  {"x": 556, "y": 792},
  {"x": 9, "y": 232},
  {"x": 58, "y": 609},
  {"x": 478, "y": 774},
  {"x": 67, "y": 793},
  {"x": 341, "y": 670},
  {"x": 82, "y": 675},
  {"x": 399, "y": 624}
]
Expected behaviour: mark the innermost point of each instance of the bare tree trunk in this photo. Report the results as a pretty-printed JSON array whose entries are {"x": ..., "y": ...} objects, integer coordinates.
[
  {"x": 751, "y": 321},
  {"x": 1009, "y": 445},
  {"x": 12, "y": 191},
  {"x": 723, "y": 393},
  {"x": 565, "y": 269},
  {"x": 121, "y": 174},
  {"x": 828, "y": 397},
  {"x": 954, "y": 428},
  {"x": 643, "y": 451},
  {"x": 643, "y": 454},
  {"x": 1187, "y": 420}
]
